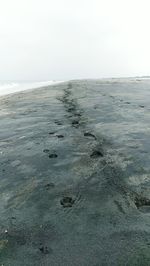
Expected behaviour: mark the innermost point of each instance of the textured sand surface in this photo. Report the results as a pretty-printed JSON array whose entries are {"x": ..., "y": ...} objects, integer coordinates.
[{"x": 75, "y": 175}]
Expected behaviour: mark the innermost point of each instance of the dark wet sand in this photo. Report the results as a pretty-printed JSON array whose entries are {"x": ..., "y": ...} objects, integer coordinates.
[{"x": 75, "y": 175}]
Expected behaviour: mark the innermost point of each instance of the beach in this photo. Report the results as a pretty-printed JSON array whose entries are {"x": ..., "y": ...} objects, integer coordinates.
[{"x": 75, "y": 174}]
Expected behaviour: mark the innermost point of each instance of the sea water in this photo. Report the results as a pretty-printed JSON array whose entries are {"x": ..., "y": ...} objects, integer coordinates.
[{"x": 7, "y": 87}]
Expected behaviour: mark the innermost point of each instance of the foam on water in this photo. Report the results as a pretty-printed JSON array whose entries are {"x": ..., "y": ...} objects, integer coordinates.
[{"x": 11, "y": 87}]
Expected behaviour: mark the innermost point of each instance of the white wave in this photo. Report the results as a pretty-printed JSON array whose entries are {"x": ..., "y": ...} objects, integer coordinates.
[{"x": 11, "y": 87}]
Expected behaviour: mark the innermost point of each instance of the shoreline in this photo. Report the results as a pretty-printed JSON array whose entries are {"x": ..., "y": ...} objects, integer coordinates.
[
  {"x": 43, "y": 84},
  {"x": 22, "y": 87}
]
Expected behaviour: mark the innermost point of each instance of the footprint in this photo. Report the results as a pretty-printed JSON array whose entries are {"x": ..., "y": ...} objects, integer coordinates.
[
  {"x": 71, "y": 109},
  {"x": 142, "y": 203},
  {"x": 46, "y": 151},
  {"x": 88, "y": 134},
  {"x": 51, "y": 133},
  {"x": 58, "y": 123},
  {"x": 49, "y": 185},
  {"x": 75, "y": 123},
  {"x": 77, "y": 114},
  {"x": 67, "y": 202},
  {"x": 96, "y": 154},
  {"x": 44, "y": 249},
  {"x": 60, "y": 136},
  {"x": 53, "y": 155},
  {"x": 13, "y": 218}
]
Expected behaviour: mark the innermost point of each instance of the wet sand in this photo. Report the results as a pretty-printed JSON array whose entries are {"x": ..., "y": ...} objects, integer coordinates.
[{"x": 75, "y": 174}]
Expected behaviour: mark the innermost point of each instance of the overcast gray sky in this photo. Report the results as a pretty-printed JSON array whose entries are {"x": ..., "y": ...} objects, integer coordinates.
[{"x": 67, "y": 39}]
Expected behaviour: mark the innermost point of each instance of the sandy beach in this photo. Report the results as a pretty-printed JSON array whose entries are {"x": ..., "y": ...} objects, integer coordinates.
[{"x": 75, "y": 174}]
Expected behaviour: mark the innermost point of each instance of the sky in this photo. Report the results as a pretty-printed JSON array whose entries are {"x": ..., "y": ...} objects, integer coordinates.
[{"x": 73, "y": 39}]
